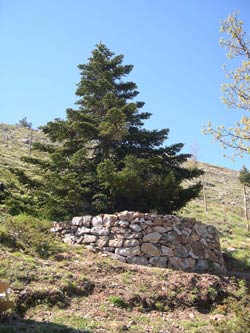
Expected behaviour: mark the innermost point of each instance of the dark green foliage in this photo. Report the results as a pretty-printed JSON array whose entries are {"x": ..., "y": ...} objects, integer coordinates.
[
  {"x": 101, "y": 158},
  {"x": 119, "y": 302},
  {"x": 24, "y": 123},
  {"x": 244, "y": 176},
  {"x": 4, "y": 193}
]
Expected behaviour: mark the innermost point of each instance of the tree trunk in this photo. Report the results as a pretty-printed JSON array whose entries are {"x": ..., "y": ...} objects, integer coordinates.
[
  {"x": 204, "y": 193},
  {"x": 245, "y": 207},
  {"x": 30, "y": 141}
]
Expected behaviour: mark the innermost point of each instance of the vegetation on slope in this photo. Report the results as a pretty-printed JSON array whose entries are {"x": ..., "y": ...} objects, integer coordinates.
[{"x": 62, "y": 288}]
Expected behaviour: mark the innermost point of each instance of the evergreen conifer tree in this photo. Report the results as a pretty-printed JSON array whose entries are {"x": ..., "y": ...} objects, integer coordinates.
[{"x": 101, "y": 158}]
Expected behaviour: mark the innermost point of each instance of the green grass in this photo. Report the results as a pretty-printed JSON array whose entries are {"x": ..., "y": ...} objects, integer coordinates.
[
  {"x": 197, "y": 326},
  {"x": 119, "y": 302}
]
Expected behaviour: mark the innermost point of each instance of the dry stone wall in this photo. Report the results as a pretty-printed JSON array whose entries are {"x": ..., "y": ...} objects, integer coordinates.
[{"x": 148, "y": 239}]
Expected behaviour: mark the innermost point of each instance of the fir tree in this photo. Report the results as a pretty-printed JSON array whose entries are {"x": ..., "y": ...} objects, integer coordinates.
[{"x": 101, "y": 158}]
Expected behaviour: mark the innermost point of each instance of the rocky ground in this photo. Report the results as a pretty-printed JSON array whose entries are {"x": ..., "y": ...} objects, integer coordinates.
[{"x": 80, "y": 291}]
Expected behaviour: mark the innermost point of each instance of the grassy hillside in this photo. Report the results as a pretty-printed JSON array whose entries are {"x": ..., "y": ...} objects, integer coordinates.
[{"x": 62, "y": 288}]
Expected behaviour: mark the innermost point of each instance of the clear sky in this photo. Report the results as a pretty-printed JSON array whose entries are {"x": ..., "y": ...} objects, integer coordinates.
[{"x": 173, "y": 45}]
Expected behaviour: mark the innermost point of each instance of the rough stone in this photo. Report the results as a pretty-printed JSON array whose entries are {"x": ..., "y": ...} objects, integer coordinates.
[
  {"x": 149, "y": 216},
  {"x": 188, "y": 222},
  {"x": 201, "y": 230},
  {"x": 109, "y": 249},
  {"x": 192, "y": 255},
  {"x": 181, "y": 263},
  {"x": 149, "y": 222},
  {"x": 86, "y": 221},
  {"x": 166, "y": 251},
  {"x": 211, "y": 245},
  {"x": 209, "y": 254},
  {"x": 102, "y": 241},
  {"x": 159, "y": 229},
  {"x": 62, "y": 225},
  {"x": 123, "y": 224},
  {"x": 69, "y": 239},
  {"x": 177, "y": 230},
  {"x": 135, "y": 227},
  {"x": 136, "y": 235},
  {"x": 201, "y": 265},
  {"x": 125, "y": 215},
  {"x": 119, "y": 230},
  {"x": 147, "y": 229},
  {"x": 157, "y": 221},
  {"x": 198, "y": 250},
  {"x": 109, "y": 220},
  {"x": 89, "y": 239},
  {"x": 136, "y": 260},
  {"x": 77, "y": 220},
  {"x": 152, "y": 237},
  {"x": 99, "y": 231},
  {"x": 186, "y": 231},
  {"x": 184, "y": 239},
  {"x": 131, "y": 242},
  {"x": 172, "y": 237},
  {"x": 203, "y": 242},
  {"x": 194, "y": 237},
  {"x": 158, "y": 262},
  {"x": 97, "y": 221},
  {"x": 167, "y": 224},
  {"x": 82, "y": 231},
  {"x": 117, "y": 242},
  {"x": 128, "y": 251},
  {"x": 150, "y": 249},
  {"x": 181, "y": 251},
  {"x": 211, "y": 230}
]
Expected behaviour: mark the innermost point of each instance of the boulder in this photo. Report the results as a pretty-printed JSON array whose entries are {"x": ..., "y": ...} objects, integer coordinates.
[
  {"x": 150, "y": 249},
  {"x": 131, "y": 242},
  {"x": 166, "y": 251},
  {"x": 158, "y": 262},
  {"x": 152, "y": 237},
  {"x": 128, "y": 251},
  {"x": 97, "y": 221},
  {"x": 136, "y": 260},
  {"x": 77, "y": 220}
]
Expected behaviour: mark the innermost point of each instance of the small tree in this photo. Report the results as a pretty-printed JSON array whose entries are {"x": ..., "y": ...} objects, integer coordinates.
[
  {"x": 24, "y": 123},
  {"x": 236, "y": 92},
  {"x": 244, "y": 178}
]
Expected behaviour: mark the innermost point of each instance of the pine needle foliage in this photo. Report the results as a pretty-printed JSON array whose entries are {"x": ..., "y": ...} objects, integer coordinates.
[{"x": 101, "y": 158}]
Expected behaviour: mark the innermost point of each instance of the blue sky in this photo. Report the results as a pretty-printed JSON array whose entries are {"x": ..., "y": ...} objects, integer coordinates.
[{"x": 173, "y": 46}]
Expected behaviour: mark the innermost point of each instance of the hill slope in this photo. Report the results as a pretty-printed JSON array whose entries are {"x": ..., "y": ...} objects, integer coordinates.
[{"x": 61, "y": 288}]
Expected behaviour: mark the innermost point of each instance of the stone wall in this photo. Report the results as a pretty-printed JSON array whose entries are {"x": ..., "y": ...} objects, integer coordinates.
[{"x": 148, "y": 239}]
